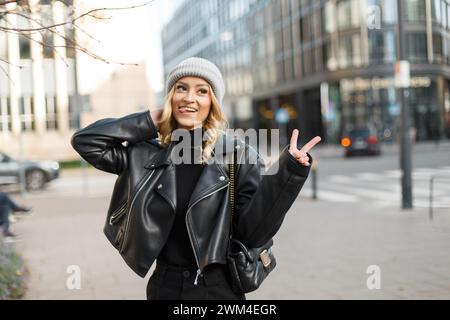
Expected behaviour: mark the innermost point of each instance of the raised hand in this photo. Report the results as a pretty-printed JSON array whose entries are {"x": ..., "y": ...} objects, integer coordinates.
[
  {"x": 301, "y": 155},
  {"x": 156, "y": 116}
]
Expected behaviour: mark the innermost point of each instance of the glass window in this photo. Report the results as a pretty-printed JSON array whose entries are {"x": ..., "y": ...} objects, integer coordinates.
[
  {"x": 305, "y": 29},
  {"x": 47, "y": 41},
  {"x": 51, "y": 116},
  {"x": 389, "y": 47},
  {"x": 25, "y": 47},
  {"x": 344, "y": 14},
  {"x": 416, "y": 47},
  {"x": 5, "y": 114},
  {"x": 259, "y": 22},
  {"x": 315, "y": 25},
  {"x": 261, "y": 48},
  {"x": 26, "y": 112},
  {"x": 330, "y": 57},
  {"x": 329, "y": 18},
  {"x": 47, "y": 36},
  {"x": 437, "y": 48},
  {"x": 345, "y": 51},
  {"x": 445, "y": 52},
  {"x": 356, "y": 60},
  {"x": 436, "y": 12},
  {"x": 307, "y": 62},
  {"x": 414, "y": 10},
  {"x": 69, "y": 31},
  {"x": 448, "y": 16},
  {"x": 376, "y": 45},
  {"x": 74, "y": 114},
  {"x": 444, "y": 14},
  {"x": 389, "y": 11}
]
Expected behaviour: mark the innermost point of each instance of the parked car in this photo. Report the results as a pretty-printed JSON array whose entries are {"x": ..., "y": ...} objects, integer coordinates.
[
  {"x": 361, "y": 141},
  {"x": 36, "y": 173}
]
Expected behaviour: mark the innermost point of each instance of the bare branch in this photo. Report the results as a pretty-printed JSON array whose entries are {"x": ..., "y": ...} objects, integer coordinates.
[
  {"x": 69, "y": 43},
  {"x": 89, "y": 13},
  {"x": 2, "y": 3},
  {"x": 7, "y": 75},
  {"x": 85, "y": 32},
  {"x": 15, "y": 65}
]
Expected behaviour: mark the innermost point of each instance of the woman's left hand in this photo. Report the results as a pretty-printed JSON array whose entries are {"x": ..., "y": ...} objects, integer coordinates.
[{"x": 301, "y": 155}]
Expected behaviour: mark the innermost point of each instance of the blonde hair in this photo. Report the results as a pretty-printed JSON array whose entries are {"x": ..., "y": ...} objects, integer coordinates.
[{"x": 214, "y": 125}]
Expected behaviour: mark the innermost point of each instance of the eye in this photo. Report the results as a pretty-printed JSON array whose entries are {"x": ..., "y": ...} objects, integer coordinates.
[
  {"x": 180, "y": 87},
  {"x": 203, "y": 91}
]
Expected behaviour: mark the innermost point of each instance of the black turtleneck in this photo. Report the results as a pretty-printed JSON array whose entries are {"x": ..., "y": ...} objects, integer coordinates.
[{"x": 178, "y": 250}]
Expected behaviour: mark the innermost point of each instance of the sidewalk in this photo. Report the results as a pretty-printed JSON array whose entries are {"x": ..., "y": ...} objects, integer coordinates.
[{"x": 323, "y": 251}]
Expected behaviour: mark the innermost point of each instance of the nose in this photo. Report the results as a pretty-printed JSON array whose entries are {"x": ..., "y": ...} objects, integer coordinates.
[{"x": 189, "y": 97}]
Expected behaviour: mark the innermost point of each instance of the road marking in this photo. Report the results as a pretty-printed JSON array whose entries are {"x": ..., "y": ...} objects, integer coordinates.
[
  {"x": 333, "y": 196},
  {"x": 392, "y": 174},
  {"x": 368, "y": 176},
  {"x": 340, "y": 179}
]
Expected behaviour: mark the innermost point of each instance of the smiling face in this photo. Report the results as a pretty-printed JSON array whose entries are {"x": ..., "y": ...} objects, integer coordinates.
[{"x": 191, "y": 102}]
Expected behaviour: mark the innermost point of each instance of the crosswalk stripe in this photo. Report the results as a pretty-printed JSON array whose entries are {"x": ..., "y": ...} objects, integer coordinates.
[
  {"x": 332, "y": 195},
  {"x": 339, "y": 178},
  {"x": 368, "y": 176}
]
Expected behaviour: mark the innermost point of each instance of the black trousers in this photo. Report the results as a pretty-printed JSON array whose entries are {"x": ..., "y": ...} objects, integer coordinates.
[{"x": 177, "y": 283}]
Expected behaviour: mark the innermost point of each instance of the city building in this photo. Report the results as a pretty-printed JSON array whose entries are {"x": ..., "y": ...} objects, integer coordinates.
[
  {"x": 328, "y": 63},
  {"x": 40, "y": 102},
  {"x": 38, "y": 96}
]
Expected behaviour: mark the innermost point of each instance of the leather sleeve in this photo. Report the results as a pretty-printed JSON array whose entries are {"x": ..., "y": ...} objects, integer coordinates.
[
  {"x": 100, "y": 143},
  {"x": 263, "y": 200}
]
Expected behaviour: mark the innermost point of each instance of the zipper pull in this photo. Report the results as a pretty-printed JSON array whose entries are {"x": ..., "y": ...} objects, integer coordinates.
[{"x": 199, "y": 273}]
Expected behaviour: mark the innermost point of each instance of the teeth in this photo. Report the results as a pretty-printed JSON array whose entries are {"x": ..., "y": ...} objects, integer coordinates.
[{"x": 189, "y": 109}]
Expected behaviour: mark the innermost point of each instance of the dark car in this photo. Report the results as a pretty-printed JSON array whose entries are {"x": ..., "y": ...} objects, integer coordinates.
[
  {"x": 36, "y": 173},
  {"x": 362, "y": 141}
]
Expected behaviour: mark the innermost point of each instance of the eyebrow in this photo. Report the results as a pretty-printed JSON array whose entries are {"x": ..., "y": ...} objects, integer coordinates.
[{"x": 198, "y": 85}]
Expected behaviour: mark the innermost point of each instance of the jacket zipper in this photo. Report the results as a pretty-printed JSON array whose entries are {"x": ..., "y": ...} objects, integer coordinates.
[
  {"x": 199, "y": 270},
  {"x": 131, "y": 207},
  {"x": 117, "y": 213}
]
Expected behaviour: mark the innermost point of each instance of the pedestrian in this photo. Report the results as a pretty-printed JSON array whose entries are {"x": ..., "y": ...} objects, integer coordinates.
[
  {"x": 7, "y": 205},
  {"x": 178, "y": 213}
]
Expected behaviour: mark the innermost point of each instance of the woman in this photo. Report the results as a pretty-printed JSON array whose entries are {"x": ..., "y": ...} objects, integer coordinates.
[{"x": 179, "y": 213}]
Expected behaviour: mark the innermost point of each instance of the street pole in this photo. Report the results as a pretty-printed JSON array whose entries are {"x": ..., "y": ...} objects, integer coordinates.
[{"x": 405, "y": 138}]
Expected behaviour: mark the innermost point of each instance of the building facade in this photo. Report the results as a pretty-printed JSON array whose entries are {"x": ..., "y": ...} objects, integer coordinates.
[
  {"x": 38, "y": 100},
  {"x": 328, "y": 63}
]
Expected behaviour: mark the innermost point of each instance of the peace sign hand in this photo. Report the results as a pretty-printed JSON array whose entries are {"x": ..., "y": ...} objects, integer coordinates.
[{"x": 300, "y": 155}]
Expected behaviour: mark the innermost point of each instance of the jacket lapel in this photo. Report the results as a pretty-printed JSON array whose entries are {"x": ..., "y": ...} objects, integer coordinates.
[
  {"x": 213, "y": 177},
  {"x": 166, "y": 184}
]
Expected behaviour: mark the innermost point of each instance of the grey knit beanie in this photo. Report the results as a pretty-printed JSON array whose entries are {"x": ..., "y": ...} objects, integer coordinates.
[{"x": 198, "y": 67}]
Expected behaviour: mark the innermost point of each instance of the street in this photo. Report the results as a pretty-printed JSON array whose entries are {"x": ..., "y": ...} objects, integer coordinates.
[{"x": 323, "y": 249}]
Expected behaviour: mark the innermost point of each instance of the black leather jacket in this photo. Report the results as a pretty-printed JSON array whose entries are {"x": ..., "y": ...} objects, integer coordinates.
[{"x": 143, "y": 202}]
